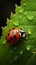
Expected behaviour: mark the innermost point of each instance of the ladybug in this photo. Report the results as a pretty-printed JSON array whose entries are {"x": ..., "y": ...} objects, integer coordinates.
[{"x": 14, "y": 35}]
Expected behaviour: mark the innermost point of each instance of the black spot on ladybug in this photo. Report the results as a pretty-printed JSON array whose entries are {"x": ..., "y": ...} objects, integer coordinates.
[
  {"x": 19, "y": 36},
  {"x": 9, "y": 29},
  {"x": 14, "y": 36},
  {"x": 11, "y": 38},
  {"x": 13, "y": 28},
  {"x": 8, "y": 34}
]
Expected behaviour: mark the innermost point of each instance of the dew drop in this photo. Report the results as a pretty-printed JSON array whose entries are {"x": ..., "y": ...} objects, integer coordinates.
[
  {"x": 20, "y": 16},
  {"x": 24, "y": 4},
  {"x": 29, "y": 31},
  {"x": 30, "y": 17},
  {"x": 25, "y": 13},
  {"x": 4, "y": 42},
  {"x": 15, "y": 23},
  {"x": 28, "y": 47},
  {"x": 21, "y": 52},
  {"x": 21, "y": 10}
]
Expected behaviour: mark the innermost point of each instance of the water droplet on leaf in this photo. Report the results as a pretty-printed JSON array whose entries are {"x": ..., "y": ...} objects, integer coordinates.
[
  {"x": 28, "y": 47},
  {"x": 21, "y": 52},
  {"x": 30, "y": 17},
  {"x": 24, "y": 4},
  {"x": 21, "y": 10},
  {"x": 29, "y": 31},
  {"x": 15, "y": 23},
  {"x": 4, "y": 42},
  {"x": 25, "y": 13}
]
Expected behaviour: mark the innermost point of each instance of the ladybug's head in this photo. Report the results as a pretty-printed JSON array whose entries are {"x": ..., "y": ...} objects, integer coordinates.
[{"x": 22, "y": 33}]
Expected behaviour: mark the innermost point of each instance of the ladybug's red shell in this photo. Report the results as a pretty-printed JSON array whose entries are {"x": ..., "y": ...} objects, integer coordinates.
[{"x": 12, "y": 35}]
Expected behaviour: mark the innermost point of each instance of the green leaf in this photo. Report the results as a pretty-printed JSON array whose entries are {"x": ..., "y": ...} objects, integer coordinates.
[{"x": 24, "y": 53}]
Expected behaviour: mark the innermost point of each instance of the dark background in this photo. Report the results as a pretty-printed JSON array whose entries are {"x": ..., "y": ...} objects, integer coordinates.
[{"x": 6, "y": 7}]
